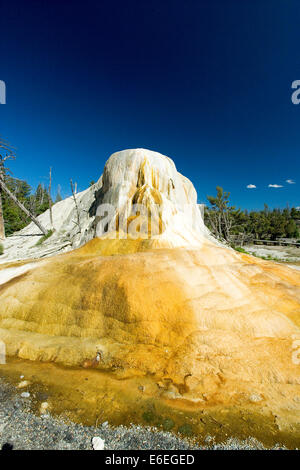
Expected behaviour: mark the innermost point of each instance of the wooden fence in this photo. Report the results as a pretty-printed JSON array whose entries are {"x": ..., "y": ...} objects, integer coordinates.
[{"x": 277, "y": 242}]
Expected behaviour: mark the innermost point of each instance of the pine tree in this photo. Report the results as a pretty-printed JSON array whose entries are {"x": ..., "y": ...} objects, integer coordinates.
[
  {"x": 7, "y": 153},
  {"x": 58, "y": 194}
]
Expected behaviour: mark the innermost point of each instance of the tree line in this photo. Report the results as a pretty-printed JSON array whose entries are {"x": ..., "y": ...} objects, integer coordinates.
[
  {"x": 228, "y": 223},
  {"x": 36, "y": 202},
  {"x": 225, "y": 221},
  {"x": 19, "y": 205}
]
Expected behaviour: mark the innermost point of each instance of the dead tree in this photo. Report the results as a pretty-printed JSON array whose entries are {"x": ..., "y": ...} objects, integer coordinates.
[
  {"x": 22, "y": 207},
  {"x": 7, "y": 153},
  {"x": 42, "y": 195},
  {"x": 76, "y": 206},
  {"x": 50, "y": 200}
]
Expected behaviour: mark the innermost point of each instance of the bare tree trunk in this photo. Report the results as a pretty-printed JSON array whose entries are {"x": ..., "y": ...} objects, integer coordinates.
[
  {"x": 22, "y": 207},
  {"x": 213, "y": 222},
  {"x": 50, "y": 200},
  {"x": 2, "y": 227},
  {"x": 76, "y": 206}
]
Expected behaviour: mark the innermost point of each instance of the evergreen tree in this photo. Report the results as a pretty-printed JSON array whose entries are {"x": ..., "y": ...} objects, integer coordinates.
[
  {"x": 14, "y": 217},
  {"x": 226, "y": 222},
  {"x": 41, "y": 200},
  {"x": 58, "y": 195}
]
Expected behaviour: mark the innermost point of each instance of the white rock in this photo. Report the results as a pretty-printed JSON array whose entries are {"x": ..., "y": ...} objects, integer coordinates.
[
  {"x": 22, "y": 245},
  {"x": 10, "y": 273},
  {"x": 151, "y": 179},
  {"x": 255, "y": 397},
  {"x": 25, "y": 395},
  {"x": 44, "y": 406},
  {"x": 23, "y": 384},
  {"x": 98, "y": 443}
]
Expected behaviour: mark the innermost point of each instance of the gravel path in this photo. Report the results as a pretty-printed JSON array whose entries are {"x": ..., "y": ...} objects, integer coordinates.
[
  {"x": 279, "y": 253},
  {"x": 24, "y": 430}
]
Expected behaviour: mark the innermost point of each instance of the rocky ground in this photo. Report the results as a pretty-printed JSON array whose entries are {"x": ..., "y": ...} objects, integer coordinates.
[
  {"x": 288, "y": 254},
  {"x": 21, "y": 429}
]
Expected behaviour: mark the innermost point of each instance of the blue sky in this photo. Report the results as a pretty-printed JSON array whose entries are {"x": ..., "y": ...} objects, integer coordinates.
[{"x": 207, "y": 83}]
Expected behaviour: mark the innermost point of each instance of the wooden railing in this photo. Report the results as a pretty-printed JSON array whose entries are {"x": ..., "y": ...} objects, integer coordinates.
[{"x": 273, "y": 242}]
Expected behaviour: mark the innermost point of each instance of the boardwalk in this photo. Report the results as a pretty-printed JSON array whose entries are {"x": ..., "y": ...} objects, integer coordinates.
[{"x": 277, "y": 242}]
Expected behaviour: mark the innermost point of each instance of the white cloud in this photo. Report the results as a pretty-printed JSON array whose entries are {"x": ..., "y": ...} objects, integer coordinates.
[
  {"x": 290, "y": 182},
  {"x": 275, "y": 186},
  {"x": 251, "y": 186}
]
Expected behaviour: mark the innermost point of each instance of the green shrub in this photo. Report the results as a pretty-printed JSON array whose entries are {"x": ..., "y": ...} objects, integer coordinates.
[
  {"x": 168, "y": 424},
  {"x": 239, "y": 249},
  {"x": 186, "y": 429},
  {"x": 44, "y": 237},
  {"x": 148, "y": 416}
]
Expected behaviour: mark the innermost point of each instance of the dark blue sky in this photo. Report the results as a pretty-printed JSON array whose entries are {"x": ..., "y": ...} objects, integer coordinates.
[{"x": 207, "y": 83}]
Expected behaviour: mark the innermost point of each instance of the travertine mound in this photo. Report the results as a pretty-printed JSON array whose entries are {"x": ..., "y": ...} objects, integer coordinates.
[
  {"x": 131, "y": 179},
  {"x": 148, "y": 194},
  {"x": 152, "y": 301},
  {"x": 179, "y": 305}
]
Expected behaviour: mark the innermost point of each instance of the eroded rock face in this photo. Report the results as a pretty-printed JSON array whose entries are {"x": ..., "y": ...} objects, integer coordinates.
[{"x": 149, "y": 199}]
